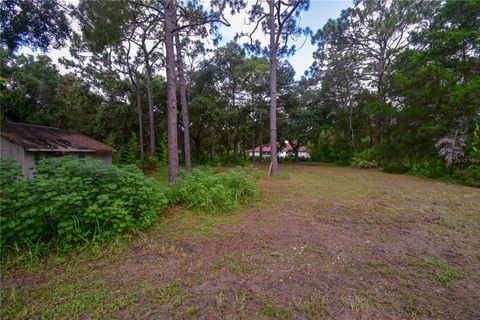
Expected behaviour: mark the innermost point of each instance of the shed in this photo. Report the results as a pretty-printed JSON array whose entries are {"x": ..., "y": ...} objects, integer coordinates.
[{"x": 28, "y": 144}]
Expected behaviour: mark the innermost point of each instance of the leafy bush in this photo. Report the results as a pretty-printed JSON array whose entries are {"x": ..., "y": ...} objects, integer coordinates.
[
  {"x": 71, "y": 201},
  {"x": 364, "y": 164},
  {"x": 9, "y": 172},
  {"x": 436, "y": 169},
  {"x": 205, "y": 190},
  {"x": 365, "y": 159},
  {"x": 149, "y": 164},
  {"x": 396, "y": 166},
  {"x": 471, "y": 175},
  {"x": 331, "y": 147}
]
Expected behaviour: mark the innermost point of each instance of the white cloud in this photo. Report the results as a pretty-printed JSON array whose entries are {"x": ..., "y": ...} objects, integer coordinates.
[{"x": 320, "y": 11}]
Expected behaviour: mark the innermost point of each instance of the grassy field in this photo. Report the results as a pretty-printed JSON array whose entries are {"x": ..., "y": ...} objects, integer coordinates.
[{"x": 322, "y": 242}]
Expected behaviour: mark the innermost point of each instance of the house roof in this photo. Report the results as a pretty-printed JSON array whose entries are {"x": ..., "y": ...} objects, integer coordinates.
[
  {"x": 287, "y": 148},
  {"x": 49, "y": 139}
]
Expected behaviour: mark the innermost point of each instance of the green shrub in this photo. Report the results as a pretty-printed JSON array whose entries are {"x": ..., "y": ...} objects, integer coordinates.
[
  {"x": 204, "y": 190},
  {"x": 150, "y": 163},
  {"x": 365, "y": 159},
  {"x": 436, "y": 169},
  {"x": 71, "y": 201},
  {"x": 9, "y": 172},
  {"x": 395, "y": 166},
  {"x": 471, "y": 175},
  {"x": 364, "y": 164}
]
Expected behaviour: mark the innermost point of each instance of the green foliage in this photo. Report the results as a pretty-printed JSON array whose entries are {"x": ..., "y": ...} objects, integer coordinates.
[
  {"x": 329, "y": 147},
  {"x": 471, "y": 175},
  {"x": 163, "y": 157},
  {"x": 424, "y": 104},
  {"x": 365, "y": 159},
  {"x": 36, "y": 24},
  {"x": 9, "y": 172},
  {"x": 435, "y": 168},
  {"x": 204, "y": 190},
  {"x": 473, "y": 145},
  {"x": 149, "y": 164},
  {"x": 132, "y": 150},
  {"x": 72, "y": 202},
  {"x": 117, "y": 155},
  {"x": 226, "y": 161}
]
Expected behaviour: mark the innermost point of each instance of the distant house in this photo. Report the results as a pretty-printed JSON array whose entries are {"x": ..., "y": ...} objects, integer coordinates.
[
  {"x": 29, "y": 143},
  {"x": 287, "y": 151}
]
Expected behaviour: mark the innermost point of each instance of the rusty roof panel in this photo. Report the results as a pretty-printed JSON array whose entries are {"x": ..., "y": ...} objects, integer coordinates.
[{"x": 40, "y": 138}]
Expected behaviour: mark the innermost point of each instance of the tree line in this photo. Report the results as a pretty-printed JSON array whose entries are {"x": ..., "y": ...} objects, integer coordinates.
[{"x": 394, "y": 84}]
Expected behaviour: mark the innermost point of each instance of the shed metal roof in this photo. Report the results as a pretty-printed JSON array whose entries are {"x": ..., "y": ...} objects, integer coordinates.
[{"x": 48, "y": 139}]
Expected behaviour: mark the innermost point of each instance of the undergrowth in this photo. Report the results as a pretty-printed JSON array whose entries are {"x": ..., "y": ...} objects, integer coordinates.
[
  {"x": 70, "y": 202},
  {"x": 205, "y": 190}
]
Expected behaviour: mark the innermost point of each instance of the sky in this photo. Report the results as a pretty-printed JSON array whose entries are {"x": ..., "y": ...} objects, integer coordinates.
[
  {"x": 315, "y": 18},
  {"x": 317, "y": 15}
]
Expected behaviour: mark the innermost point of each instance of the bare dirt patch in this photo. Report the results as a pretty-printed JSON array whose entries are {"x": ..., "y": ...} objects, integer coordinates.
[{"x": 328, "y": 242}]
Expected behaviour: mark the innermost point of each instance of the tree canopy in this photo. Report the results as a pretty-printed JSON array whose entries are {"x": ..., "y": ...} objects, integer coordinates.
[{"x": 394, "y": 84}]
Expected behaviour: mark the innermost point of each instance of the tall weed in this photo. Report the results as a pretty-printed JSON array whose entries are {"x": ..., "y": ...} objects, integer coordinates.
[
  {"x": 70, "y": 202},
  {"x": 205, "y": 190}
]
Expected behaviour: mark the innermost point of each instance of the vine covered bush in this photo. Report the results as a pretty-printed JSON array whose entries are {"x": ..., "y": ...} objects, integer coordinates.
[
  {"x": 206, "y": 190},
  {"x": 73, "y": 201}
]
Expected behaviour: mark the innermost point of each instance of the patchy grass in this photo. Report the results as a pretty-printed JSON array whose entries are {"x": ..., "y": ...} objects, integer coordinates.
[
  {"x": 272, "y": 311},
  {"x": 284, "y": 175},
  {"x": 438, "y": 271},
  {"x": 313, "y": 306},
  {"x": 326, "y": 243}
]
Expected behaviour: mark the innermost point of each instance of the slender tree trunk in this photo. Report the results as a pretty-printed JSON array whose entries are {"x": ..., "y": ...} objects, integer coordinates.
[
  {"x": 350, "y": 118},
  {"x": 140, "y": 122},
  {"x": 295, "y": 150},
  {"x": 170, "y": 15},
  {"x": 377, "y": 137},
  {"x": 273, "y": 90},
  {"x": 183, "y": 102}
]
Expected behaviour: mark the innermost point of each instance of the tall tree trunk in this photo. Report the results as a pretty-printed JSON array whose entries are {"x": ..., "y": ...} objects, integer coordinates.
[
  {"x": 295, "y": 150},
  {"x": 183, "y": 101},
  {"x": 350, "y": 118},
  {"x": 140, "y": 122},
  {"x": 273, "y": 90},
  {"x": 170, "y": 15}
]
